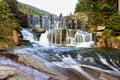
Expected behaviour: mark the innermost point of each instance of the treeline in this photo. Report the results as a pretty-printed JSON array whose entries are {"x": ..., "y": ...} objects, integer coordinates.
[
  {"x": 28, "y": 9},
  {"x": 101, "y": 12}
]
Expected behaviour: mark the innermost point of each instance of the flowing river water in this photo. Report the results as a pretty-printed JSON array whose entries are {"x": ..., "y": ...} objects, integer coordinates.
[{"x": 74, "y": 54}]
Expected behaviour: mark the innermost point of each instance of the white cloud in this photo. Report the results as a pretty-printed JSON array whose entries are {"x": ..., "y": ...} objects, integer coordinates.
[{"x": 53, "y": 6}]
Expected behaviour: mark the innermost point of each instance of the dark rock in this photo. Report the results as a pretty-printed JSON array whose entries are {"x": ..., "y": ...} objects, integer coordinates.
[
  {"x": 38, "y": 30},
  {"x": 23, "y": 42}
]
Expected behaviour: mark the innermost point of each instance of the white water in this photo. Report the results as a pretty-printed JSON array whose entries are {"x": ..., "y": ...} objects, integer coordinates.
[
  {"x": 27, "y": 35},
  {"x": 43, "y": 39},
  {"x": 106, "y": 63},
  {"x": 69, "y": 62}
]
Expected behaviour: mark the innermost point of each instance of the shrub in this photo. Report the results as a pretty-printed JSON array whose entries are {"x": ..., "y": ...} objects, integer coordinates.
[{"x": 114, "y": 22}]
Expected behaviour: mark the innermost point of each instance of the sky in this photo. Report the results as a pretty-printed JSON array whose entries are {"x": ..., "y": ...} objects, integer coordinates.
[{"x": 53, "y": 6}]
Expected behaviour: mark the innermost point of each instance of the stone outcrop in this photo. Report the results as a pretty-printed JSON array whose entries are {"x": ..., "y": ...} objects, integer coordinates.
[
  {"x": 12, "y": 73},
  {"x": 14, "y": 37},
  {"x": 99, "y": 75},
  {"x": 100, "y": 42},
  {"x": 73, "y": 74},
  {"x": 113, "y": 43},
  {"x": 27, "y": 64}
]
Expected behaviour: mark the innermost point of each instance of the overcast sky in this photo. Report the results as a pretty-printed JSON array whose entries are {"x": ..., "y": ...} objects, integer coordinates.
[{"x": 53, "y": 6}]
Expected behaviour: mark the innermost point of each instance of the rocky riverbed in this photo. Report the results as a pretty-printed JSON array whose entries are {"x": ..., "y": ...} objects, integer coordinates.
[{"x": 24, "y": 66}]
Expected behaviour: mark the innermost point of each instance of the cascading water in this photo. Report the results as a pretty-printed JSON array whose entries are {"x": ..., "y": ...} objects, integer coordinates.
[
  {"x": 76, "y": 58},
  {"x": 69, "y": 57},
  {"x": 58, "y": 33}
]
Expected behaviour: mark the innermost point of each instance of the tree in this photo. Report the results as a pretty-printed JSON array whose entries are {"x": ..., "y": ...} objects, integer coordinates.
[
  {"x": 101, "y": 9},
  {"x": 7, "y": 24}
]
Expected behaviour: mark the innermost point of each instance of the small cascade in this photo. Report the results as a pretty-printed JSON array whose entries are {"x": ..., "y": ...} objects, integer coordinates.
[
  {"x": 79, "y": 38},
  {"x": 43, "y": 39},
  {"x": 27, "y": 35}
]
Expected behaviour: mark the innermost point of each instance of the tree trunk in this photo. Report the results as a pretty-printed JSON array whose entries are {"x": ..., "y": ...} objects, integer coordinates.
[{"x": 119, "y": 6}]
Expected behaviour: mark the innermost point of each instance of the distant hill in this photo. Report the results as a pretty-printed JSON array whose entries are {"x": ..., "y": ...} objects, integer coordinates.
[{"x": 28, "y": 9}]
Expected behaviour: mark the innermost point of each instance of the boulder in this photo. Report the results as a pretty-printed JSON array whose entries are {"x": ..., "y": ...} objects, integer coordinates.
[
  {"x": 38, "y": 30},
  {"x": 99, "y": 28}
]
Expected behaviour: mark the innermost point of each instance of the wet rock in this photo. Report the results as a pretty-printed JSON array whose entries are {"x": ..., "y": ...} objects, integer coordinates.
[
  {"x": 23, "y": 42},
  {"x": 12, "y": 73},
  {"x": 38, "y": 30},
  {"x": 32, "y": 66},
  {"x": 72, "y": 74},
  {"x": 31, "y": 61},
  {"x": 99, "y": 74}
]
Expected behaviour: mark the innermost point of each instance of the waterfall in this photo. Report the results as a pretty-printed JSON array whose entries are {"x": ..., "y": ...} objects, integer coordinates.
[
  {"x": 57, "y": 32},
  {"x": 43, "y": 39},
  {"x": 34, "y": 21}
]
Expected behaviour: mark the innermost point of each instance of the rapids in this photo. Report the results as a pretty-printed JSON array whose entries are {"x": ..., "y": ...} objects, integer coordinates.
[{"x": 75, "y": 53}]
